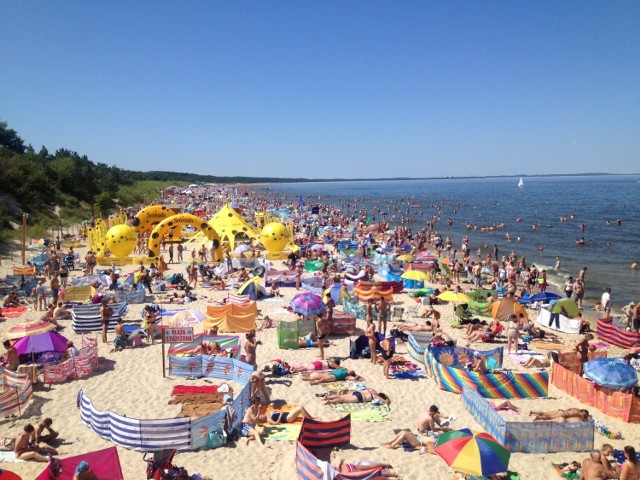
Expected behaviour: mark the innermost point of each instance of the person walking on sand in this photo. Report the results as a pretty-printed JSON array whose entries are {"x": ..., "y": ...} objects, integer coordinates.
[
  {"x": 605, "y": 303},
  {"x": 105, "y": 314},
  {"x": 383, "y": 315},
  {"x": 370, "y": 332},
  {"x": 579, "y": 291},
  {"x": 322, "y": 327}
]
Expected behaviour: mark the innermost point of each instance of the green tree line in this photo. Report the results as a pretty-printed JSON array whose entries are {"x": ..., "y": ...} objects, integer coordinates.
[{"x": 69, "y": 185}]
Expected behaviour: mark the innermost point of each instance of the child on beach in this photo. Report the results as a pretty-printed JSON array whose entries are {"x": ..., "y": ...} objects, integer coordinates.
[{"x": 513, "y": 333}]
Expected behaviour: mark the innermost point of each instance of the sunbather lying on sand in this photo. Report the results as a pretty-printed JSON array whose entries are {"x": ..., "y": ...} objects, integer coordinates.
[
  {"x": 329, "y": 364},
  {"x": 277, "y": 417},
  {"x": 537, "y": 362},
  {"x": 311, "y": 340},
  {"x": 336, "y": 375},
  {"x": 417, "y": 441},
  {"x": 387, "y": 471},
  {"x": 414, "y": 327},
  {"x": 358, "y": 396},
  {"x": 569, "y": 415}
]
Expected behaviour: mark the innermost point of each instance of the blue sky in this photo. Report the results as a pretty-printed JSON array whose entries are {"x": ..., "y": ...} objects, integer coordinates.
[{"x": 328, "y": 89}]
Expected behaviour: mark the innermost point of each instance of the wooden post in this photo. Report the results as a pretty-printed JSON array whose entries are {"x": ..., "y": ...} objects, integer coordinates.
[
  {"x": 163, "y": 359},
  {"x": 24, "y": 237}
]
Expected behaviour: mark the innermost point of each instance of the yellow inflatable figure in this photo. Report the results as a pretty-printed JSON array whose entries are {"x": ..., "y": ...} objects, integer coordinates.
[
  {"x": 149, "y": 217},
  {"x": 275, "y": 236},
  {"x": 121, "y": 240},
  {"x": 178, "y": 221}
]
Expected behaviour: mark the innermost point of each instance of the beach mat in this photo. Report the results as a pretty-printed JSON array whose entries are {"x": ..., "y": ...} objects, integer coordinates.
[
  {"x": 13, "y": 312},
  {"x": 364, "y": 412},
  {"x": 193, "y": 389},
  {"x": 404, "y": 369},
  {"x": 289, "y": 431}
]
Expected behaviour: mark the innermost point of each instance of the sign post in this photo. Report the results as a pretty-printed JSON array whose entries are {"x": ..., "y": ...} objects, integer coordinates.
[{"x": 175, "y": 335}]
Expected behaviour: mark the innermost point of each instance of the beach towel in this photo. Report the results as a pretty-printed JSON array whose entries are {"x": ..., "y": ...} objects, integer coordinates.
[
  {"x": 522, "y": 358},
  {"x": 288, "y": 431},
  {"x": 340, "y": 388},
  {"x": 405, "y": 369},
  {"x": 13, "y": 312},
  {"x": 559, "y": 467},
  {"x": 9, "y": 457},
  {"x": 364, "y": 412},
  {"x": 187, "y": 389}
]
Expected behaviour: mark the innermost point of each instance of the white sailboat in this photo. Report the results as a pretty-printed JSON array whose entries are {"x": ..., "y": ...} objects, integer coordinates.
[{"x": 520, "y": 183}]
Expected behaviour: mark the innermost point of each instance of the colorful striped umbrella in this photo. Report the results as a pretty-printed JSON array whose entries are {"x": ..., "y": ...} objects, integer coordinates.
[
  {"x": 29, "y": 328},
  {"x": 475, "y": 453}
]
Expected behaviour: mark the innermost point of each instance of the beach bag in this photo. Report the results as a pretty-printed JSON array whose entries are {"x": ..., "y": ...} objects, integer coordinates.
[{"x": 216, "y": 438}]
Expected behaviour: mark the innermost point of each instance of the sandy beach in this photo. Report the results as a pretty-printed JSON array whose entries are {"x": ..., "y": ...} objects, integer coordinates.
[{"x": 130, "y": 383}]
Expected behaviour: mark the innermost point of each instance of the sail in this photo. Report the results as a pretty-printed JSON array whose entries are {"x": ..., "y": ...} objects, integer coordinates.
[{"x": 520, "y": 183}]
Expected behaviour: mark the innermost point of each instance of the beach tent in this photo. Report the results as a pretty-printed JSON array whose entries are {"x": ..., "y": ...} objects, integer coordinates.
[
  {"x": 229, "y": 223},
  {"x": 251, "y": 288},
  {"x": 505, "y": 307},
  {"x": 338, "y": 293},
  {"x": 104, "y": 463}
]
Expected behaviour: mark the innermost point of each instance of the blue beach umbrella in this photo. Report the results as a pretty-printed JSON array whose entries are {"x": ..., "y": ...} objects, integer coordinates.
[
  {"x": 610, "y": 372},
  {"x": 544, "y": 297}
]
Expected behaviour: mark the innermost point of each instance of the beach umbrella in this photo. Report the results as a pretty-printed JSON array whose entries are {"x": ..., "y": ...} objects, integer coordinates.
[
  {"x": 475, "y": 453},
  {"x": 544, "y": 297},
  {"x": 415, "y": 275},
  {"x": 450, "y": 296},
  {"x": 185, "y": 318},
  {"x": 425, "y": 254},
  {"x": 44, "y": 342},
  {"x": 307, "y": 303},
  {"x": 242, "y": 248},
  {"x": 569, "y": 306},
  {"x": 444, "y": 261},
  {"x": 29, "y": 328},
  {"x": 405, "y": 258},
  {"x": 611, "y": 372}
]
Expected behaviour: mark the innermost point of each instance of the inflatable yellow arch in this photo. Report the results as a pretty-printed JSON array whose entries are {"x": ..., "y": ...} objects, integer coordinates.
[
  {"x": 149, "y": 217},
  {"x": 180, "y": 220}
]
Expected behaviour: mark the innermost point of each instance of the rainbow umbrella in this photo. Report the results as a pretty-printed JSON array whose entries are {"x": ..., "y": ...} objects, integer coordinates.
[
  {"x": 475, "y": 453},
  {"x": 307, "y": 303},
  {"x": 29, "y": 328},
  {"x": 186, "y": 318},
  {"x": 415, "y": 275}
]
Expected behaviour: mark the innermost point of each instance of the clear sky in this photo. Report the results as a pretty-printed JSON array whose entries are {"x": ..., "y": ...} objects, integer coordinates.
[{"x": 322, "y": 89}]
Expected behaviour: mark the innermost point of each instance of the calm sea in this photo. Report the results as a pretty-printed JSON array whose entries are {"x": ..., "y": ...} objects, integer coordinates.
[{"x": 609, "y": 249}]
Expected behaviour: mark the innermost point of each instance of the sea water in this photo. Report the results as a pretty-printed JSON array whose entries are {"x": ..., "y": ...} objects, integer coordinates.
[{"x": 608, "y": 252}]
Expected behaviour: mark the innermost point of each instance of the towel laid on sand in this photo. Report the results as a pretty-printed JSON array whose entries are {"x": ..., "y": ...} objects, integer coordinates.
[
  {"x": 9, "y": 457},
  {"x": 189, "y": 389},
  {"x": 365, "y": 412},
  {"x": 288, "y": 431},
  {"x": 13, "y": 312}
]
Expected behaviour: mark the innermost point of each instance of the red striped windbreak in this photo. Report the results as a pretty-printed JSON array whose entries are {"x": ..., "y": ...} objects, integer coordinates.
[
  {"x": 308, "y": 467},
  {"x": 610, "y": 333},
  {"x": 317, "y": 434}
]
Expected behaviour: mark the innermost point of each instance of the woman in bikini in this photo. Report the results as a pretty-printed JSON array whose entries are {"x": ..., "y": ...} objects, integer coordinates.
[
  {"x": 358, "y": 396},
  {"x": 250, "y": 348},
  {"x": 371, "y": 337},
  {"x": 631, "y": 467},
  {"x": 336, "y": 375},
  {"x": 278, "y": 417},
  {"x": 386, "y": 472},
  {"x": 332, "y": 363},
  {"x": 569, "y": 415}
]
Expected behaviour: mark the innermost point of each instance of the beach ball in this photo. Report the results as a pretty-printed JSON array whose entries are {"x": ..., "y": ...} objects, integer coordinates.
[
  {"x": 274, "y": 236},
  {"x": 121, "y": 240}
]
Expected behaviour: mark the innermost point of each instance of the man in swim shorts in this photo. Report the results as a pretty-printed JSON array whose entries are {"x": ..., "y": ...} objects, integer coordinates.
[{"x": 250, "y": 423}]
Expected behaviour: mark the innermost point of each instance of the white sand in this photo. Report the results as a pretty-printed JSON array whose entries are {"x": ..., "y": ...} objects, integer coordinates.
[{"x": 130, "y": 383}]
